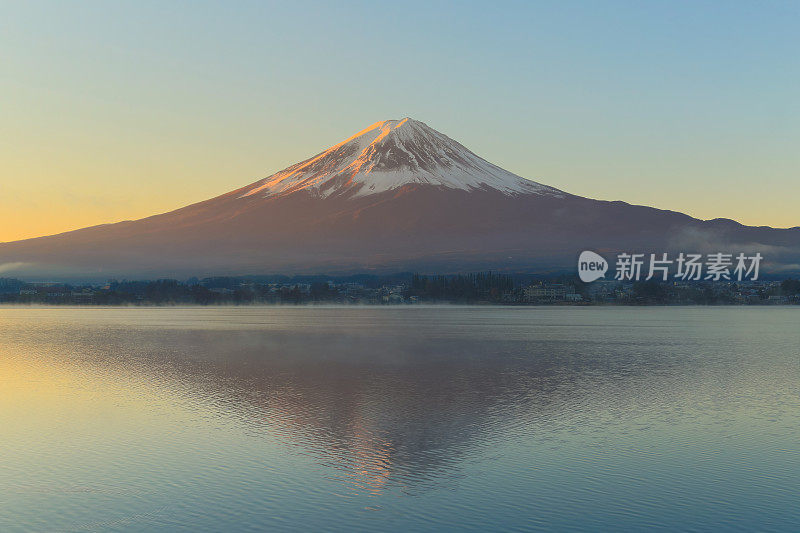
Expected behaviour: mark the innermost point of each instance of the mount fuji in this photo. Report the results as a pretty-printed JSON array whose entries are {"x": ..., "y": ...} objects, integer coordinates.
[{"x": 396, "y": 196}]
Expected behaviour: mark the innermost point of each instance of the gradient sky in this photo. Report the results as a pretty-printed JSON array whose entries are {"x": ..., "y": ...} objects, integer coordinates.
[{"x": 118, "y": 110}]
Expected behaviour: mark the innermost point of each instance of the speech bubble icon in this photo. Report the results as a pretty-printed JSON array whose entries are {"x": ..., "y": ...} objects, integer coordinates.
[{"x": 591, "y": 266}]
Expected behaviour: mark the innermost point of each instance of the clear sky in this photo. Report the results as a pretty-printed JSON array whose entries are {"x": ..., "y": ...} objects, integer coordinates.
[{"x": 118, "y": 110}]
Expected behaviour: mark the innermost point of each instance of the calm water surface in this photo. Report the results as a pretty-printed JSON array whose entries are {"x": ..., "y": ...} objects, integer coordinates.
[{"x": 400, "y": 419}]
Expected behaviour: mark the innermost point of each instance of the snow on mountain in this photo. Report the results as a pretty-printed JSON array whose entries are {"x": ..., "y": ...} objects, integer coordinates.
[{"x": 391, "y": 154}]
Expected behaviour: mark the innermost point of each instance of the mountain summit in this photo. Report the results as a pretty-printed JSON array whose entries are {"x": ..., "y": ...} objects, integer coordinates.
[
  {"x": 388, "y": 155},
  {"x": 397, "y": 196}
]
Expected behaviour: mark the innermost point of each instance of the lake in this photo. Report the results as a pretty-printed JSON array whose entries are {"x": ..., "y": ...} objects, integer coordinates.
[{"x": 400, "y": 419}]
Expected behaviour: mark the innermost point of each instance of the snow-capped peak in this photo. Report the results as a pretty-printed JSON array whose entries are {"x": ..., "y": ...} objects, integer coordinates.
[{"x": 391, "y": 154}]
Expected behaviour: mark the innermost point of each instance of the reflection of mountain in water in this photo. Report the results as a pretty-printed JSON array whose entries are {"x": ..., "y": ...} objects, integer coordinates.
[{"x": 380, "y": 405}]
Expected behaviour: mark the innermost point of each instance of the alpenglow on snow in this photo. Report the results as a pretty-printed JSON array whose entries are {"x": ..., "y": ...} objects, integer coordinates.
[{"x": 388, "y": 155}]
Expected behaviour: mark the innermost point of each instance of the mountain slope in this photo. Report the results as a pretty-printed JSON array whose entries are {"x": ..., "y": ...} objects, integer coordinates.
[{"x": 396, "y": 196}]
